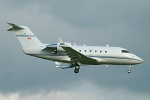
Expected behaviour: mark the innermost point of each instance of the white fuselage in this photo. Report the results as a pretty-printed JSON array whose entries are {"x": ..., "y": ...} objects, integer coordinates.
[{"x": 103, "y": 55}]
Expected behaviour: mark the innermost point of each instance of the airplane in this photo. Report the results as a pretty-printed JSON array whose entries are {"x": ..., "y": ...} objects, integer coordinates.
[{"x": 67, "y": 55}]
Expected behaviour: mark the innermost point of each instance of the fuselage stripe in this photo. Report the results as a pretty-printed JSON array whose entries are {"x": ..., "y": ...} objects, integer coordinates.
[
  {"x": 114, "y": 57},
  {"x": 25, "y": 35}
]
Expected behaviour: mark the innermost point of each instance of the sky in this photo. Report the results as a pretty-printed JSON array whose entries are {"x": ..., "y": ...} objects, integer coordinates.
[{"x": 120, "y": 23}]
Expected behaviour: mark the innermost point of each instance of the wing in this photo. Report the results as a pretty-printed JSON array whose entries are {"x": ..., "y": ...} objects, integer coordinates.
[{"x": 76, "y": 56}]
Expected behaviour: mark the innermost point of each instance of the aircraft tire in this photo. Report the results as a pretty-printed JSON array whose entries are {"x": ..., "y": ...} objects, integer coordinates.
[
  {"x": 77, "y": 67},
  {"x": 129, "y": 71},
  {"x": 76, "y": 70}
]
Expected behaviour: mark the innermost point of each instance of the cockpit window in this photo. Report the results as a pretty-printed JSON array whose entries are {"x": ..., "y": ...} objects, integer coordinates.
[{"x": 125, "y": 51}]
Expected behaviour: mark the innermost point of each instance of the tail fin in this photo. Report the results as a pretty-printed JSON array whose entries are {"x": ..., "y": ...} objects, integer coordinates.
[{"x": 24, "y": 35}]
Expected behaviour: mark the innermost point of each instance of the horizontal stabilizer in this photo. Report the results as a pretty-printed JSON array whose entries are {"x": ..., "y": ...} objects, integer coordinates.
[
  {"x": 14, "y": 27},
  {"x": 11, "y": 29}
]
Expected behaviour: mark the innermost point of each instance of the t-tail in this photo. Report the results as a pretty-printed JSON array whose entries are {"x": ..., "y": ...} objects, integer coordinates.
[{"x": 25, "y": 36}]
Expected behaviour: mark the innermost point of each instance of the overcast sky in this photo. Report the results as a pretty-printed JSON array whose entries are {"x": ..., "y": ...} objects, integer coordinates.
[{"x": 123, "y": 23}]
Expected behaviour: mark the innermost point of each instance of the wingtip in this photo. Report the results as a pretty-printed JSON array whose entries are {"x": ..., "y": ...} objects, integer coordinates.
[{"x": 60, "y": 40}]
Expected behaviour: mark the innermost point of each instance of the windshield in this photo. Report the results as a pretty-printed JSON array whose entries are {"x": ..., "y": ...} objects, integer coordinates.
[{"x": 125, "y": 51}]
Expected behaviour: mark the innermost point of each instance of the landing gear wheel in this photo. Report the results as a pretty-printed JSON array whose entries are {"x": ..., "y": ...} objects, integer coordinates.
[
  {"x": 77, "y": 67},
  {"x": 76, "y": 70},
  {"x": 129, "y": 71}
]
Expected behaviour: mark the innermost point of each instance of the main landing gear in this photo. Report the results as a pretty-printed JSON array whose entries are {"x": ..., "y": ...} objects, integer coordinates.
[
  {"x": 129, "y": 70},
  {"x": 77, "y": 67}
]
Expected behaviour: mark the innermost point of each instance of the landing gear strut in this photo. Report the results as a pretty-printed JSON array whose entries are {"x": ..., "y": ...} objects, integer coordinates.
[
  {"x": 77, "y": 67},
  {"x": 129, "y": 70}
]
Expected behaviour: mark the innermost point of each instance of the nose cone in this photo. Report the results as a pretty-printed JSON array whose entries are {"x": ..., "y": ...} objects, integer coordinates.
[
  {"x": 141, "y": 60},
  {"x": 138, "y": 59}
]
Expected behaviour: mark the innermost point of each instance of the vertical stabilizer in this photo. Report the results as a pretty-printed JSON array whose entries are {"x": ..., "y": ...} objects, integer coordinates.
[{"x": 25, "y": 36}]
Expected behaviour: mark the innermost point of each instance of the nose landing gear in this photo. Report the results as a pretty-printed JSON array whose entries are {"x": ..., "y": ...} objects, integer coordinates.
[{"x": 129, "y": 70}]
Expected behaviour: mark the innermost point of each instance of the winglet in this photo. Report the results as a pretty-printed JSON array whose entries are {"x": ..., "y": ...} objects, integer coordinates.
[
  {"x": 14, "y": 27},
  {"x": 60, "y": 40}
]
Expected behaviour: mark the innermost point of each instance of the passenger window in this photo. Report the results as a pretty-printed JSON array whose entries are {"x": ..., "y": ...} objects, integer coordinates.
[
  {"x": 90, "y": 51},
  {"x": 95, "y": 51},
  {"x": 84, "y": 50},
  {"x": 105, "y": 51},
  {"x": 79, "y": 50},
  {"x": 100, "y": 51}
]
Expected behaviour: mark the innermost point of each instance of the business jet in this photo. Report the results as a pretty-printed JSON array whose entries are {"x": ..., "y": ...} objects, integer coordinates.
[{"x": 67, "y": 55}]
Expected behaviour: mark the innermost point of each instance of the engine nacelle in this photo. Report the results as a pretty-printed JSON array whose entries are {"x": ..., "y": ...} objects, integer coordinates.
[{"x": 59, "y": 48}]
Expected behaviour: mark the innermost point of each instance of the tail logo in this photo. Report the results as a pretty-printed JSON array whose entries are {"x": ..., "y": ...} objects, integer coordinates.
[{"x": 29, "y": 38}]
